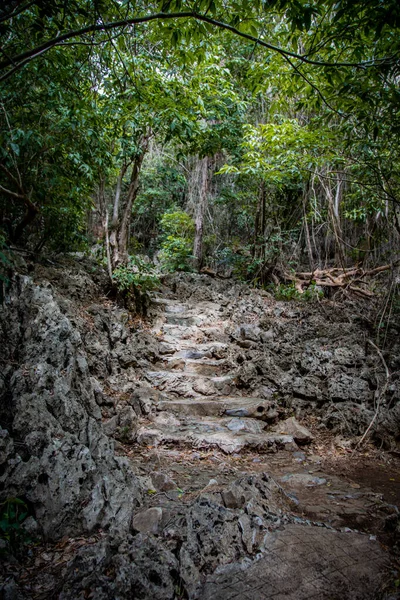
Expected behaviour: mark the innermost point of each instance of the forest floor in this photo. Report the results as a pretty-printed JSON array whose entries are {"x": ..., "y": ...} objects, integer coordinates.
[{"x": 347, "y": 491}]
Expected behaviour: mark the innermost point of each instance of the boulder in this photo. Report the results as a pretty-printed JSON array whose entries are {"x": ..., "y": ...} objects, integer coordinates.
[
  {"x": 292, "y": 427},
  {"x": 148, "y": 521},
  {"x": 161, "y": 482}
]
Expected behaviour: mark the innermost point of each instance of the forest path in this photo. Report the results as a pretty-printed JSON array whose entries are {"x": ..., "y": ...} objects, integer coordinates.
[
  {"x": 206, "y": 434},
  {"x": 201, "y": 404}
]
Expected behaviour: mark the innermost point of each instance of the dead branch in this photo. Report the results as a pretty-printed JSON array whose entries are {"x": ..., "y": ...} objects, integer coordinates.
[{"x": 336, "y": 277}]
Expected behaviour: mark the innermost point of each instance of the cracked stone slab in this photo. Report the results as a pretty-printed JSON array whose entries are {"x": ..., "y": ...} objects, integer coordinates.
[
  {"x": 229, "y": 434},
  {"x": 255, "y": 408},
  {"x": 304, "y": 563}
]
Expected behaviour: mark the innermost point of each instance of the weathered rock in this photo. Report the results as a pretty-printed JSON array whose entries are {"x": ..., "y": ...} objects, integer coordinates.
[
  {"x": 233, "y": 498},
  {"x": 307, "y": 388},
  {"x": 304, "y": 479},
  {"x": 165, "y": 348},
  {"x": 162, "y": 482},
  {"x": 291, "y": 426},
  {"x": 204, "y": 387},
  {"x": 248, "y": 332},
  {"x": 30, "y": 526},
  {"x": 245, "y": 425},
  {"x": 342, "y": 387},
  {"x": 148, "y": 437},
  {"x": 193, "y": 541},
  {"x": 6, "y": 446},
  {"x": 126, "y": 355},
  {"x": 69, "y": 472},
  {"x": 148, "y": 521}
]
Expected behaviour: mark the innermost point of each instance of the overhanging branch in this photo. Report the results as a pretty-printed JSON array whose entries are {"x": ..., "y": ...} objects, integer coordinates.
[{"x": 19, "y": 60}]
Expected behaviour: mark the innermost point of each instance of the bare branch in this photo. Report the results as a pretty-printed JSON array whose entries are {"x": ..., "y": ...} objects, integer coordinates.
[{"x": 12, "y": 194}]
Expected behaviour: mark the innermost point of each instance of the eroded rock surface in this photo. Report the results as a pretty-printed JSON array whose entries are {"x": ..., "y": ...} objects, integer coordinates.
[
  {"x": 55, "y": 454},
  {"x": 227, "y": 350},
  {"x": 216, "y": 366}
]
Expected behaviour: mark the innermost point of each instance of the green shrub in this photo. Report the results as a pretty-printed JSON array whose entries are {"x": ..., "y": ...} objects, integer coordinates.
[
  {"x": 13, "y": 512},
  {"x": 137, "y": 274},
  {"x": 288, "y": 292},
  {"x": 177, "y": 241}
]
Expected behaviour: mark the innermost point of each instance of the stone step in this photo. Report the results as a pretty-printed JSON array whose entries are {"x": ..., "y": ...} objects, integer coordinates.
[
  {"x": 161, "y": 301},
  {"x": 190, "y": 384},
  {"x": 176, "y": 308},
  {"x": 229, "y": 435},
  {"x": 186, "y": 350},
  {"x": 183, "y": 320},
  {"x": 231, "y": 406},
  {"x": 176, "y": 325},
  {"x": 205, "y": 350},
  {"x": 202, "y": 366},
  {"x": 176, "y": 333}
]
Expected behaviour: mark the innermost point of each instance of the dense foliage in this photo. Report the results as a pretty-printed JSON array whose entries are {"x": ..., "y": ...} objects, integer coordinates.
[{"x": 265, "y": 133}]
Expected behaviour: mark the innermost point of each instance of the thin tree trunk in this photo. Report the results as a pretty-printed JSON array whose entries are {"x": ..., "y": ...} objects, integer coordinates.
[
  {"x": 307, "y": 230},
  {"x": 113, "y": 241},
  {"x": 200, "y": 212},
  {"x": 256, "y": 227},
  {"x": 30, "y": 216},
  {"x": 108, "y": 253},
  {"x": 104, "y": 220},
  {"x": 120, "y": 251},
  {"x": 263, "y": 218}
]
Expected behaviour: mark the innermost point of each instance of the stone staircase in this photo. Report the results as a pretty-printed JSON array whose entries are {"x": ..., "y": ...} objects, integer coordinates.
[{"x": 200, "y": 404}]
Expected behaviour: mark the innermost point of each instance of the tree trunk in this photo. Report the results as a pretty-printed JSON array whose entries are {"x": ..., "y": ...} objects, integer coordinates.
[
  {"x": 113, "y": 241},
  {"x": 200, "y": 212},
  {"x": 120, "y": 224},
  {"x": 334, "y": 214},
  {"x": 306, "y": 228},
  {"x": 263, "y": 219},
  {"x": 104, "y": 221}
]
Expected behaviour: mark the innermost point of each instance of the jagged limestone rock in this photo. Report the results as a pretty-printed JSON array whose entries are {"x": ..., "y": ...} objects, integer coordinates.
[{"x": 64, "y": 464}]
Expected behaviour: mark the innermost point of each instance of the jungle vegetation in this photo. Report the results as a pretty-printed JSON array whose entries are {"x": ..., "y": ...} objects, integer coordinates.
[{"x": 259, "y": 138}]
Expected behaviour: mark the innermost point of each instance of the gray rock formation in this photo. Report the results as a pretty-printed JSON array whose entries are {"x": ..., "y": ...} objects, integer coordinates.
[
  {"x": 53, "y": 450},
  {"x": 219, "y": 367}
]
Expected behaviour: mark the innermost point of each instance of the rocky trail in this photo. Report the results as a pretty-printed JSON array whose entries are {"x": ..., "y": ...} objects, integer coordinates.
[{"x": 206, "y": 452}]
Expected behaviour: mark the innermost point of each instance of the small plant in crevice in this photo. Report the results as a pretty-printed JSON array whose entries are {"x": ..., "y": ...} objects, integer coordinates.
[{"x": 13, "y": 512}]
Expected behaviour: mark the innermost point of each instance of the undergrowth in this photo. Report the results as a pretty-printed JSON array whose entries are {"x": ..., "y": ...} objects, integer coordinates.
[{"x": 289, "y": 292}]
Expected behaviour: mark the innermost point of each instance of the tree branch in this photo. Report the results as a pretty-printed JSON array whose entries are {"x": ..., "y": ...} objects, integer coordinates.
[
  {"x": 10, "y": 193},
  {"x": 16, "y": 12},
  {"x": 22, "y": 58}
]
